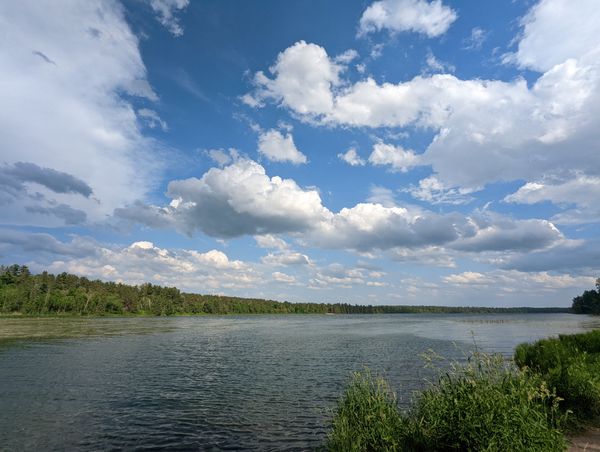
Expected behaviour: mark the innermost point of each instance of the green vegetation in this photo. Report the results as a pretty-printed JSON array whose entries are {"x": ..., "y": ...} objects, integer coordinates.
[
  {"x": 367, "y": 417},
  {"x": 571, "y": 365},
  {"x": 46, "y": 294},
  {"x": 485, "y": 405},
  {"x": 588, "y": 302},
  {"x": 552, "y": 387}
]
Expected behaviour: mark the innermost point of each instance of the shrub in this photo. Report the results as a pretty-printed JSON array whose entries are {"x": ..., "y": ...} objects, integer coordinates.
[
  {"x": 571, "y": 365},
  {"x": 487, "y": 405}
]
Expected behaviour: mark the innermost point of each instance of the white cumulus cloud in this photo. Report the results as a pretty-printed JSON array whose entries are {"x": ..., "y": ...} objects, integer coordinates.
[
  {"x": 279, "y": 148},
  {"x": 303, "y": 77},
  {"x": 486, "y": 131},
  {"x": 581, "y": 191},
  {"x": 235, "y": 200},
  {"x": 63, "y": 107},
  {"x": 431, "y": 18},
  {"x": 555, "y": 31},
  {"x": 241, "y": 199},
  {"x": 398, "y": 158},
  {"x": 352, "y": 158},
  {"x": 270, "y": 241}
]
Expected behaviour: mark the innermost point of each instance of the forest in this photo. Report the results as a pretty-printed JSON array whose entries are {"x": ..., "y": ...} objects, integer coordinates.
[
  {"x": 22, "y": 292},
  {"x": 588, "y": 302}
]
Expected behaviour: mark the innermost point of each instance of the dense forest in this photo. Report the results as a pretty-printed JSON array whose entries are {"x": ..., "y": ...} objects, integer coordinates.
[
  {"x": 47, "y": 294},
  {"x": 588, "y": 302}
]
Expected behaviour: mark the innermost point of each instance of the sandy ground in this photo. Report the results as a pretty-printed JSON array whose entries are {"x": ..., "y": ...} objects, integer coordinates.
[{"x": 587, "y": 441}]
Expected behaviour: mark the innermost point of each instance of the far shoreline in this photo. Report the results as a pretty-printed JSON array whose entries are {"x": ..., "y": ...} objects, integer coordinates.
[
  {"x": 471, "y": 311},
  {"x": 23, "y": 294}
]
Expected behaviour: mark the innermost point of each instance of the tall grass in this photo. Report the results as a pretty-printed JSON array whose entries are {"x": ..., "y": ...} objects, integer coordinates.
[
  {"x": 485, "y": 405},
  {"x": 571, "y": 365},
  {"x": 367, "y": 417}
]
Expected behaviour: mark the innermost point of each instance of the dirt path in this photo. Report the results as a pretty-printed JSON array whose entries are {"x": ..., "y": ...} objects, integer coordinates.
[{"x": 588, "y": 441}]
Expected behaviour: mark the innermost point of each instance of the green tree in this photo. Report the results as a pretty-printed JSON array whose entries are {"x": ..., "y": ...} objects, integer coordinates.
[{"x": 588, "y": 302}]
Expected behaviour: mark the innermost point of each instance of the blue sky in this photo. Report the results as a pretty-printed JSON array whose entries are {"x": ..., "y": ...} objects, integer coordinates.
[{"x": 386, "y": 152}]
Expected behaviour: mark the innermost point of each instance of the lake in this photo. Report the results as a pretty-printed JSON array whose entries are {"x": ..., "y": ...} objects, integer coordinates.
[{"x": 222, "y": 383}]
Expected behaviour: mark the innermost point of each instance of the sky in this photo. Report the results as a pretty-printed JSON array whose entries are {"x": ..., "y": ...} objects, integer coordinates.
[{"x": 373, "y": 152}]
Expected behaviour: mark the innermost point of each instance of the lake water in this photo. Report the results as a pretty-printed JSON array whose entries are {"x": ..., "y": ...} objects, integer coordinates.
[{"x": 221, "y": 383}]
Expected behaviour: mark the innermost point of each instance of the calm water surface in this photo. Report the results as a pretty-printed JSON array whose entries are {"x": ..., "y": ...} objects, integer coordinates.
[{"x": 221, "y": 383}]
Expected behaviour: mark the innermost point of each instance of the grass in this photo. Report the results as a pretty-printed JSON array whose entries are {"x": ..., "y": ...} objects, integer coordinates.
[
  {"x": 485, "y": 405},
  {"x": 367, "y": 417},
  {"x": 571, "y": 365},
  {"x": 551, "y": 387}
]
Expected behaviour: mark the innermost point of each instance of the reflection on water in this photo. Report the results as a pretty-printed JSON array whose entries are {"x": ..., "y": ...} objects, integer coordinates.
[{"x": 262, "y": 383}]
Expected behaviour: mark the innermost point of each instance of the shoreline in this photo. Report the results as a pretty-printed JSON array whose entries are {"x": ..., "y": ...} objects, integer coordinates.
[
  {"x": 66, "y": 294},
  {"x": 19, "y": 315},
  {"x": 586, "y": 440},
  {"x": 547, "y": 397}
]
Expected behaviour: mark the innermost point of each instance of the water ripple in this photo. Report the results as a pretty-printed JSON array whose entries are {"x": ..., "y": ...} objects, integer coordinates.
[{"x": 220, "y": 383}]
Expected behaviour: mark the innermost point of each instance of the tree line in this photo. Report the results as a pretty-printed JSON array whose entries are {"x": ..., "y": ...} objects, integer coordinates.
[
  {"x": 588, "y": 302},
  {"x": 47, "y": 294}
]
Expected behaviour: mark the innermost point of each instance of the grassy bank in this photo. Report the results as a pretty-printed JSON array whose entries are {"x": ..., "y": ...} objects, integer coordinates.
[
  {"x": 571, "y": 365},
  {"x": 489, "y": 403}
]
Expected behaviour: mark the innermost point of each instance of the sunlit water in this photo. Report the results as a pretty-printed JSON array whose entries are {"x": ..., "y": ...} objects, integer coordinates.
[{"x": 251, "y": 383}]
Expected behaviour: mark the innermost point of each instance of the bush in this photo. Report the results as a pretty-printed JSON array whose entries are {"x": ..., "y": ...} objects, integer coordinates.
[
  {"x": 571, "y": 365},
  {"x": 486, "y": 405}
]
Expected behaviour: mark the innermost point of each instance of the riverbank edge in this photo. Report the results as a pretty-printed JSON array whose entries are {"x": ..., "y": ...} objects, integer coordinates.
[
  {"x": 585, "y": 440},
  {"x": 472, "y": 311}
]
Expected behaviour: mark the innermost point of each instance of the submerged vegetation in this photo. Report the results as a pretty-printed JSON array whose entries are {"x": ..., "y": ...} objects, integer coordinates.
[
  {"x": 48, "y": 294},
  {"x": 489, "y": 403}
]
